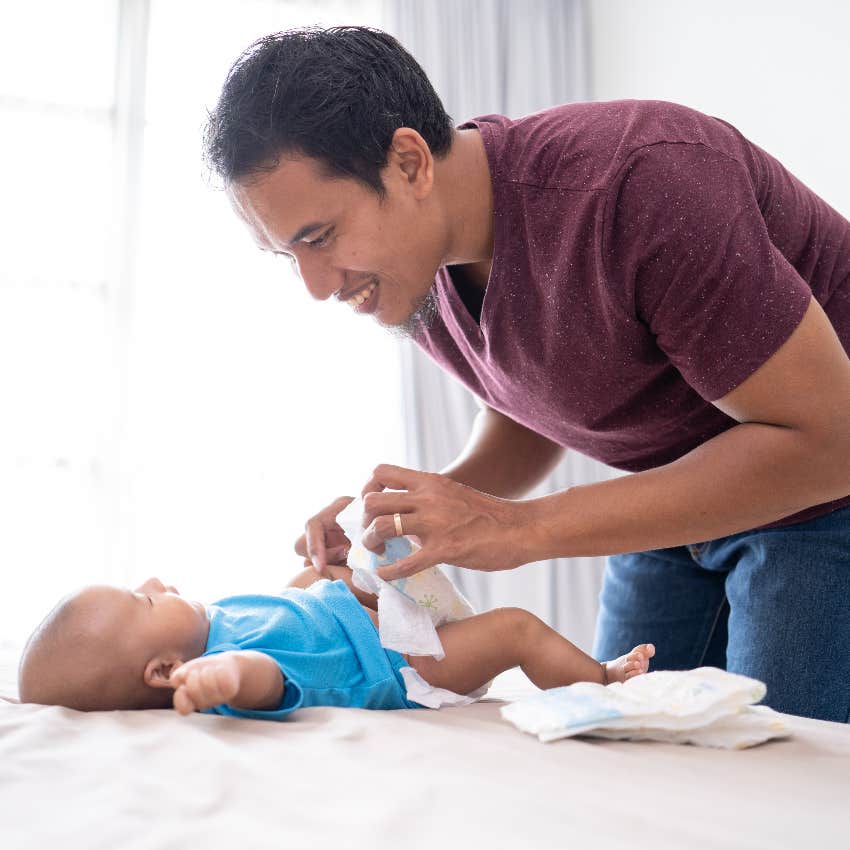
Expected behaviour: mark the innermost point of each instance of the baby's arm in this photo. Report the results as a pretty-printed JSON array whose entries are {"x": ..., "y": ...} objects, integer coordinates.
[{"x": 240, "y": 678}]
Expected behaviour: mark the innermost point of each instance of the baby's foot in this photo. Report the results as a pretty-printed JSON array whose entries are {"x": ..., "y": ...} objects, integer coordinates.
[{"x": 628, "y": 666}]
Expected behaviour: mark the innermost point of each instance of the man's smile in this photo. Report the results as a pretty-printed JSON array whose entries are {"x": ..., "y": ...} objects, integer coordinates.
[{"x": 363, "y": 300}]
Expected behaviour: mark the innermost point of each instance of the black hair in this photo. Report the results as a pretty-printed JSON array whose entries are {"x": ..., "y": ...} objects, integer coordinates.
[{"x": 336, "y": 95}]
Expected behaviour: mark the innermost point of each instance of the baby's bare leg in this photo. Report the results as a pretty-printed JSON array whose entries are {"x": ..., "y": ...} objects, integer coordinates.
[
  {"x": 480, "y": 647},
  {"x": 477, "y": 649},
  {"x": 309, "y": 576}
]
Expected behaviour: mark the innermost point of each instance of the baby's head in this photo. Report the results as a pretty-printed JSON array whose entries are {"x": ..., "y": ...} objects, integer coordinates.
[{"x": 105, "y": 648}]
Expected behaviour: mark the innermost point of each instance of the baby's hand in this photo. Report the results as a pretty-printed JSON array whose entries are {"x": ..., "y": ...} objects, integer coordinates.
[{"x": 204, "y": 682}]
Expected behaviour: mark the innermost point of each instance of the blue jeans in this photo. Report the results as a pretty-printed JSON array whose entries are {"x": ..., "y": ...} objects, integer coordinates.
[{"x": 771, "y": 604}]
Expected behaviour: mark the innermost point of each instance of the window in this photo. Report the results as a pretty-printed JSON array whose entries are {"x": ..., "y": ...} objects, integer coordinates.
[{"x": 174, "y": 402}]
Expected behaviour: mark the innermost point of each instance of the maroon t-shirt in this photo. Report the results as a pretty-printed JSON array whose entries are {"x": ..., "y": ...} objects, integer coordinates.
[{"x": 647, "y": 259}]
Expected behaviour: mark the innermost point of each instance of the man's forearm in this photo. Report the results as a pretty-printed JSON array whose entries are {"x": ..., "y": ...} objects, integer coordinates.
[
  {"x": 750, "y": 475},
  {"x": 503, "y": 458}
]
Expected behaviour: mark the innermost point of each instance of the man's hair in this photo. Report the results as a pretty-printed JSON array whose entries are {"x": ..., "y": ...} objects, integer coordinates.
[{"x": 335, "y": 95}]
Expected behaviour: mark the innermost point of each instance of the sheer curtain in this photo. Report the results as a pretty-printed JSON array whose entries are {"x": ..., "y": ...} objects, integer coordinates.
[
  {"x": 174, "y": 403},
  {"x": 496, "y": 56}
]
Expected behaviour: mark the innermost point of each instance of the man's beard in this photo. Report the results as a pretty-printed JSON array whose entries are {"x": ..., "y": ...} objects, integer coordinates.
[{"x": 420, "y": 319}]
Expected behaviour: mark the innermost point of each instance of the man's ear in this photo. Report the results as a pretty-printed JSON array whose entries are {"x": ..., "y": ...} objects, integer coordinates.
[
  {"x": 158, "y": 670},
  {"x": 410, "y": 154}
]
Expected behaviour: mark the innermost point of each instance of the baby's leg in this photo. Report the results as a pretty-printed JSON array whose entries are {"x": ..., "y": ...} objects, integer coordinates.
[
  {"x": 480, "y": 647},
  {"x": 477, "y": 649},
  {"x": 309, "y": 576}
]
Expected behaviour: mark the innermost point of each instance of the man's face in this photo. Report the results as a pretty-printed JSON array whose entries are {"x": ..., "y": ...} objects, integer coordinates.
[{"x": 380, "y": 256}]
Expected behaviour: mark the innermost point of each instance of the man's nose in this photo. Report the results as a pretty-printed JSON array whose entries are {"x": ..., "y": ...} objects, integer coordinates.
[{"x": 320, "y": 278}]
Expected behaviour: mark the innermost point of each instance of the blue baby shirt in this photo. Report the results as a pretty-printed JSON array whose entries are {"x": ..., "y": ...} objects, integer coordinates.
[{"x": 324, "y": 642}]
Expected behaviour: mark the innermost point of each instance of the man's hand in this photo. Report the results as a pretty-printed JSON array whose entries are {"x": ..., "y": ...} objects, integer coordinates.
[
  {"x": 324, "y": 542},
  {"x": 454, "y": 524},
  {"x": 206, "y": 682}
]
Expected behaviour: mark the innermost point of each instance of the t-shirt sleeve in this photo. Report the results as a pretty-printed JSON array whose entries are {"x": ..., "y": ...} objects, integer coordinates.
[{"x": 692, "y": 257}]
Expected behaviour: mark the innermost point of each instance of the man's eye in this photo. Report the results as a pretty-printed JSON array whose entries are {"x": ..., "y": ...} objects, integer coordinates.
[
  {"x": 151, "y": 601},
  {"x": 321, "y": 240}
]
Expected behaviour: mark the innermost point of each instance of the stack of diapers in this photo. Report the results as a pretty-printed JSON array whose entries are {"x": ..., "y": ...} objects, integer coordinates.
[
  {"x": 409, "y": 609},
  {"x": 706, "y": 706}
]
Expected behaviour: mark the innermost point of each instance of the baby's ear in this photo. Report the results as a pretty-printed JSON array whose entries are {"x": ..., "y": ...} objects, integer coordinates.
[{"x": 159, "y": 669}]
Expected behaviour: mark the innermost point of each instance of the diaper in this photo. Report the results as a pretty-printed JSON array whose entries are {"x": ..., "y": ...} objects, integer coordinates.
[
  {"x": 409, "y": 609},
  {"x": 706, "y": 706}
]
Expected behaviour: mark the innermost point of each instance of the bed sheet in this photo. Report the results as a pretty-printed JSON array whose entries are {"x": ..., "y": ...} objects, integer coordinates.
[{"x": 352, "y": 778}]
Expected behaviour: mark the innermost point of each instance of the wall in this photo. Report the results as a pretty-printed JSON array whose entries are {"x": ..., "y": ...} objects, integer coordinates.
[{"x": 776, "y": 70}]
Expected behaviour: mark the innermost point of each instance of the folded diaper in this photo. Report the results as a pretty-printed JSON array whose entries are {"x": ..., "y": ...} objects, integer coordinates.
[
  {"x": 409, "y": 609},
  {"x": 706, "y": 706}
]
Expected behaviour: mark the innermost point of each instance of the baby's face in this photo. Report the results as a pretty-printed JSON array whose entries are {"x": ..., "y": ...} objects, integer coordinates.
[
  {"x": 160, "y": 618},
  {"x": 152, "y": 621}
]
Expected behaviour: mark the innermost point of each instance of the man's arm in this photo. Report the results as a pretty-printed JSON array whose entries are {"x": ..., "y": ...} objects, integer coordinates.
[
  {"x": 503, "y": 458},
  {"x": 790, "y": 451}
]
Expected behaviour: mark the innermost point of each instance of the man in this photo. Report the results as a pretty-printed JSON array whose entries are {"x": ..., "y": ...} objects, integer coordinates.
[{"x": 634, "y": 280}]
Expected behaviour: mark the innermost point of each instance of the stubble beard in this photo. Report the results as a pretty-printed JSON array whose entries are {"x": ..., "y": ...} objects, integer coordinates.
[{"x": 424, "y": 313}]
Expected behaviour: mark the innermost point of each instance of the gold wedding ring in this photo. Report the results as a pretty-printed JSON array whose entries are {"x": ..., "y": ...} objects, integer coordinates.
[{"x": 398, "y": 529}]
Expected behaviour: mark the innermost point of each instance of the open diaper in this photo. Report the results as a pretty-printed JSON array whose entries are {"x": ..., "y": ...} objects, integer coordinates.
[
  {"x": 706, "y": 706},
  {"x": 409, "y": 609}
]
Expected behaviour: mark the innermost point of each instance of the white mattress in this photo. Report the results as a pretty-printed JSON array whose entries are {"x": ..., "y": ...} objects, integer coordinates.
[{"x": 349, "y": 778}]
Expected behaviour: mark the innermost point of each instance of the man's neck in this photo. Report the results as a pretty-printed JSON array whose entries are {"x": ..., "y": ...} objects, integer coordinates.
[{"x": 464, "y": 178}]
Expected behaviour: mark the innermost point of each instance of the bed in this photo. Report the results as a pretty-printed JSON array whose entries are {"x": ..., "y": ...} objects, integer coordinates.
[{"x": 415, "y": 779}]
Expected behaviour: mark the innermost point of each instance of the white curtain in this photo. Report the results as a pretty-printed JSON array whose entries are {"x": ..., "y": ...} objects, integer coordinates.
[{"x": 511, "y": 58}]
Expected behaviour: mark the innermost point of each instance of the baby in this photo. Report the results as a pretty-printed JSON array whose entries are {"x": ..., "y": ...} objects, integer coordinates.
[{"x": 106, "y": 648}]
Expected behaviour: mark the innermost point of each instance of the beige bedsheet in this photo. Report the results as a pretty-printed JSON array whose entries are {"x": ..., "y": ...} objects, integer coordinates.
[{"x": 347, "y": 778}]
